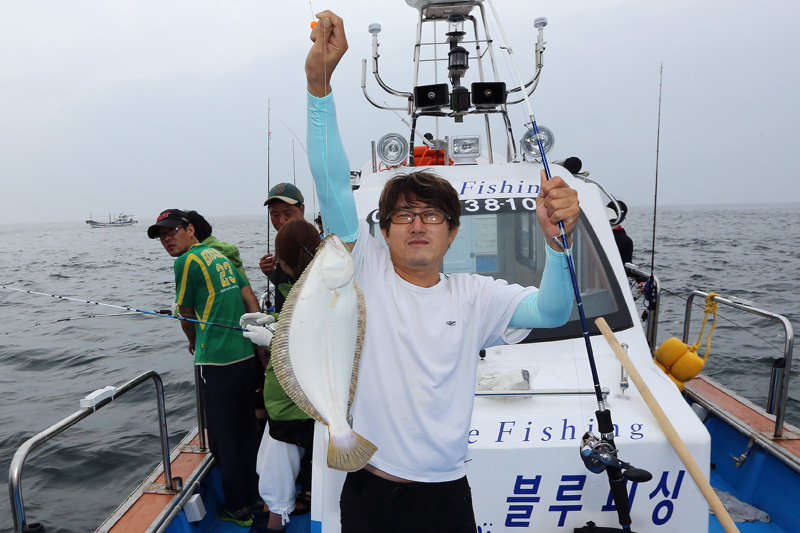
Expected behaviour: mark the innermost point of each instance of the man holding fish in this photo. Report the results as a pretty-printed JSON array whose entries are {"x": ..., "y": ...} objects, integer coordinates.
[{"x": 417, "y": 369}]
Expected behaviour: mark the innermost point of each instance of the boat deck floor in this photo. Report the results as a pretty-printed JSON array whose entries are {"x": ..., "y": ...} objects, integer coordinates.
[
  {"x": 753, "y": 421},
  {"x": 149, "y": 501},
  {"x": 754, "y": 417},
  {"x": 297, "y": 524},
  {"x": 744, "y": 527}
]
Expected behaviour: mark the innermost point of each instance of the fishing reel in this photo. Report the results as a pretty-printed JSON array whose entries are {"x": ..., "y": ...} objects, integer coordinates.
[{"x": 597, "y": 455}]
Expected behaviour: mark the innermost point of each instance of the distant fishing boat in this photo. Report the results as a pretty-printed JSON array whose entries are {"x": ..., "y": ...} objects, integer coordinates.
[{"x": 120, "y": 221}]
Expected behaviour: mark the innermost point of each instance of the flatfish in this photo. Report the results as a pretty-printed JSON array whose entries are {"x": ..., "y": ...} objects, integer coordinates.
[{"x": 317, "y": 347}]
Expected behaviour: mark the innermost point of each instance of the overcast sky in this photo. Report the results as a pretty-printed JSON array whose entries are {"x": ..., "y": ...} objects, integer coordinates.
[{"x": 143, "y": 105}]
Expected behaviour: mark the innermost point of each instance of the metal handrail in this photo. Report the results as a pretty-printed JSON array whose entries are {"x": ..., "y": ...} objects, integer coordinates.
[
  {"x": 15, "y": 471},
  {"x": 779, "y": 388}
]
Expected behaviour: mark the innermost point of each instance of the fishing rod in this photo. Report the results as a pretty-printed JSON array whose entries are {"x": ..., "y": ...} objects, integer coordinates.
[
  {"x": 266, "y": 301},
  {"x": 163, "y": 314},
  {"x": 650, "y": 291},
  {"x": 269, "y": 138},
  {"x": 598, "y": 454}
]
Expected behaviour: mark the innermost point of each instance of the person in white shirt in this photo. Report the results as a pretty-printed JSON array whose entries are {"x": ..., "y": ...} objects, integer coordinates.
[{"x": 424, "y": 329}]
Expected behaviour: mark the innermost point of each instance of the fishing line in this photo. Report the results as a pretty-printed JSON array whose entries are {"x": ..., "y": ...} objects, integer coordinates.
[
  {"x": 303, "y": 146},
  {"x": 562, "y": 238},
  {"x": 598, "y": 454},
  {"x": 67, "y": 319},
  {"x": 325, "y": 125},
  {"x": 701, "y": 305},
  {"x": 124, "y": 307}
]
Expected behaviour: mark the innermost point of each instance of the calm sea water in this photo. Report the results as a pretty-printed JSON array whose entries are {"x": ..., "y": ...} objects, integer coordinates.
[{"x": 73, "y": 482}]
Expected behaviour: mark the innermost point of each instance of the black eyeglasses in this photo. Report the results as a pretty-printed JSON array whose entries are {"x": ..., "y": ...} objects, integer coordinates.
[
  {"x": 428, "y": 216},
  {"x": 169, "y": 233}
]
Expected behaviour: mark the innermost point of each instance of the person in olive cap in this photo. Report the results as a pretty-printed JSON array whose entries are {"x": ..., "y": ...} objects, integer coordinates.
[
  {"x": 209, "y": 288},
  {"x": 285, "y": 203}
]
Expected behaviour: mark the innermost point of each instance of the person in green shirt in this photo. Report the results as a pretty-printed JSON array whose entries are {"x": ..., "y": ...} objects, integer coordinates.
[
  {"x": 209, "y": 288},
  {"x": 284, "y": 457},
  {"x": 202, "y": 229}
]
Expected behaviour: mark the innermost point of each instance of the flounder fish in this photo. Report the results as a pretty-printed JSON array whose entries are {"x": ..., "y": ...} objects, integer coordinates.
[{"x": 317, "y": 347}]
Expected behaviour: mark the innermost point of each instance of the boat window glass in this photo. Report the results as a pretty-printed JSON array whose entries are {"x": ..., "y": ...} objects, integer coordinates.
[{"x": 502, "y": 239}]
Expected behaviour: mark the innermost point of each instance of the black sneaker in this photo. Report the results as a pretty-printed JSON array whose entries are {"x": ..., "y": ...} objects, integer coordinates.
[{"x": 242, "y": 517}]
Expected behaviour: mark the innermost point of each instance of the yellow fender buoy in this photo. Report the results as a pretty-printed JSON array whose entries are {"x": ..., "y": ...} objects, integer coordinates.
[
  {"x": 688, "y": 366},
  {"x": 679, "y": 360},
  {"x": 670, "y": 351},
  {"x": 666, "y": 371}
]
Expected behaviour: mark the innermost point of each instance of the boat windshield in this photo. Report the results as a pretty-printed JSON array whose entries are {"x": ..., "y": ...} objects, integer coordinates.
[{"x": 508, "y": 244}]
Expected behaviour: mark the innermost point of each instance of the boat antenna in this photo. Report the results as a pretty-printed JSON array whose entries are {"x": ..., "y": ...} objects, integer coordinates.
[
  {"x": 163, "y": 314},
  {"x": 598, "y": 454}
]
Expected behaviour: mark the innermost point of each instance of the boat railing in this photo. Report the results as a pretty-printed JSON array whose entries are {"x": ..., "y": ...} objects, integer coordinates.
[
  {"x": 781, "y": 369},
  {"x": 89, "y": 405}
]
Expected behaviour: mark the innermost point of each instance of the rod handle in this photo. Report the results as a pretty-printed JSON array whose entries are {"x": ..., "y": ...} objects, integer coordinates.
[{"x": 669, "y": 430}]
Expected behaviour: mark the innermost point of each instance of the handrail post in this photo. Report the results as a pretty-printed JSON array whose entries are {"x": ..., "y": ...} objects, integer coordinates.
[
  {"x": 775, "y": 384},
  {"x": 15, "y": 470}
]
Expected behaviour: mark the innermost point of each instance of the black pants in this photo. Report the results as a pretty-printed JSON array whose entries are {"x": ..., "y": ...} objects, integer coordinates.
[
  {"x": 227, "y": 395},
  {"x": 372, "y": 504}
]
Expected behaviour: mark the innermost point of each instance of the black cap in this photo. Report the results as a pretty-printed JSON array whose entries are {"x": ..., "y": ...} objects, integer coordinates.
[{"x": 171, "y": 218}]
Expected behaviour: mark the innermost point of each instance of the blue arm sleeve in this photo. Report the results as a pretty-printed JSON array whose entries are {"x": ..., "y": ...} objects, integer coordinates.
[
  {"x": 330, "y": 169},
  {"x": 551, "y": 305}
]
